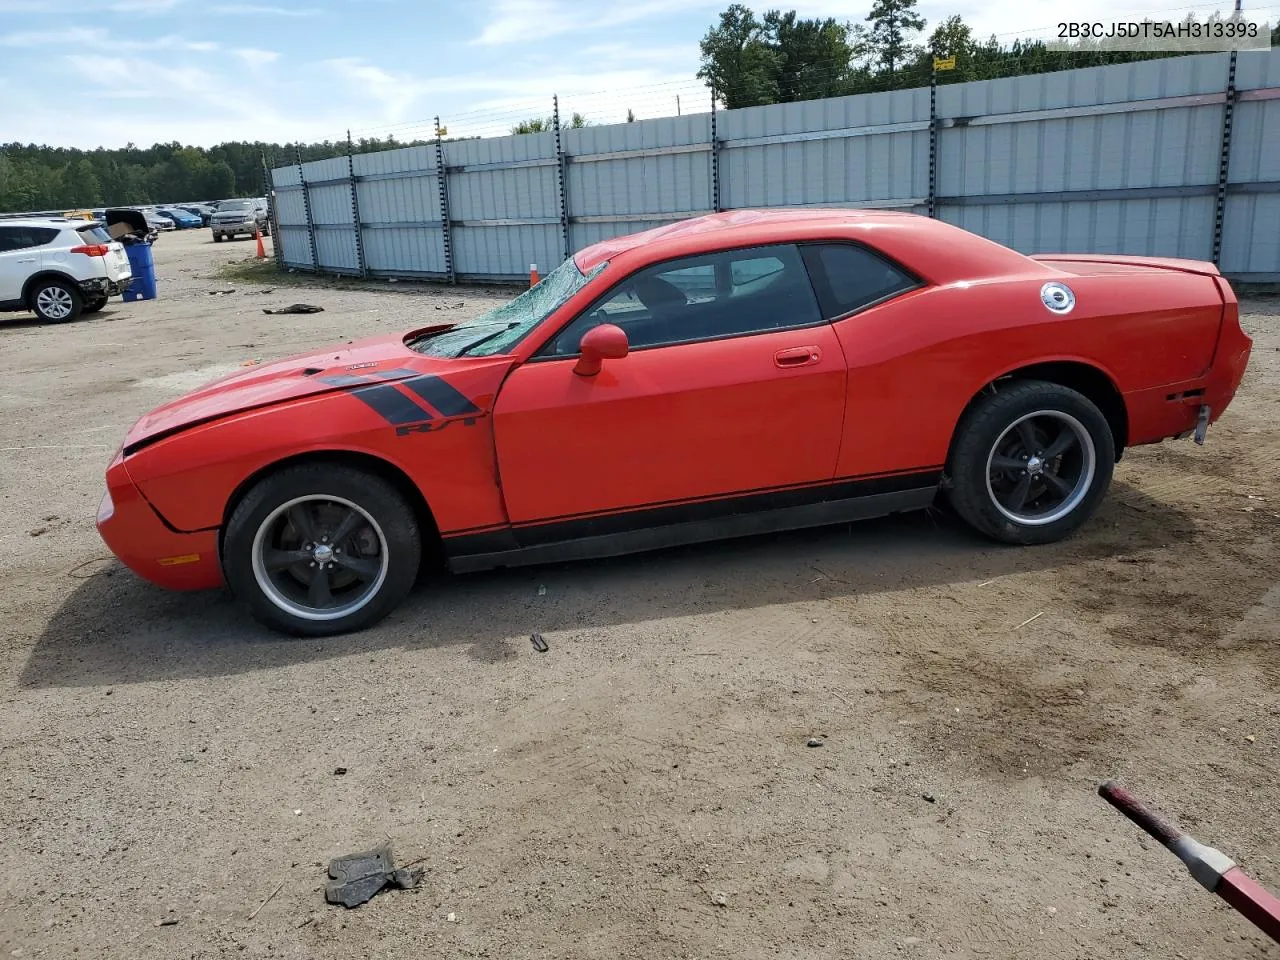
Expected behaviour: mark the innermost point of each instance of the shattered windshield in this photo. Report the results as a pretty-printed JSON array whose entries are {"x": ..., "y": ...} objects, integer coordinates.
[{"x": 502, "y": 328}]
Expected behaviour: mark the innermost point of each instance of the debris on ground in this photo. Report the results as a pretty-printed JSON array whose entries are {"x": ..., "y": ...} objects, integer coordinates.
[
  {"x": 928, "y": 798},
  {"x": 339, "y": 771},
  {"x": 222, "y": 293},
  {"x": 295, "y": 308},
  {"x": 357, "y": 877},
  {"x": 270, "y": 896},
  {"x": 542, "y": 590},
  {"x": 816, "y": 742},
  {"x": 37, "y": 531},
  {"x": 539, "y": 644},
  {"x": 720, "y": 898}
]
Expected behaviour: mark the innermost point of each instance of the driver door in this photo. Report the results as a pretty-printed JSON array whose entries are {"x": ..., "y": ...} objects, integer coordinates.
[{"x": 734, "y": 384}]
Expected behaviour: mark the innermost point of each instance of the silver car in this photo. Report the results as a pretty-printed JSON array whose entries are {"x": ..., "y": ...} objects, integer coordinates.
[{"x": 240, "y": 216}]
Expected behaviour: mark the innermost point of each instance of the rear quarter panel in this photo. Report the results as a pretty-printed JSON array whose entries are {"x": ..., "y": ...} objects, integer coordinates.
[
  {"x": 917, "y": 361},
  {"x": 190, "y": 477}
]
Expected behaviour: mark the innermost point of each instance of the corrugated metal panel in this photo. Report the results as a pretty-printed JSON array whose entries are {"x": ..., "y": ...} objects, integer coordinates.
[
  {"x": 1005, "y": 170},
  {"x": 506, "y": 251},
  {"x": 671, "y": 183},
  {"x": 857, "y": 168}
]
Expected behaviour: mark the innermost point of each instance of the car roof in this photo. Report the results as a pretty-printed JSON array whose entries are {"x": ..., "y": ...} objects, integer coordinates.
[
  {"x": 59, "y": 222},
  {"x": 934, "y": 249}
]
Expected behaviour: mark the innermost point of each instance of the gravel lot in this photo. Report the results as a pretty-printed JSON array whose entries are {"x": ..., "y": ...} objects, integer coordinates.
[{"x": 644, "y": 788}]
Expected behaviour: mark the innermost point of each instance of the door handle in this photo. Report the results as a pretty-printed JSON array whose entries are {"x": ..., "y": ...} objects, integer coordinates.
[
  {"x": 797, "y": 356},
  {"x": 26, "y": 260}
]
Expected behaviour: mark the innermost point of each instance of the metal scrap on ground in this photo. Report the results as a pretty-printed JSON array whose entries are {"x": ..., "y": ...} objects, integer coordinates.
[
  {"x": 357, "y": 877},
  {"x": 296, "y": 308}
]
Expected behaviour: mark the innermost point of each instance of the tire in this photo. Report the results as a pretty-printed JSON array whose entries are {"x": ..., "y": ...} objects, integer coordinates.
[
  {"x": 218, "y": 238},
  {"x": 280, "y": 530},
  {"x": 55, "y": 301},
  {"x": 93, "y": 306},
  {"x": 1021, "y": 496}
]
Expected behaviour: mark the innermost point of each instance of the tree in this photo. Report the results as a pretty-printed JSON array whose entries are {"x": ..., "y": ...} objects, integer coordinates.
[
  {"x": 547, "y": 124},
  {"x": 631, "y": 117},
  {"x": 813, "y": 57},
  {"x": 951, "y": 38},
  {"x": 892, "y": 23},
  {"x": 80, "y": 185},
  {"x": 737, "y": 60}
]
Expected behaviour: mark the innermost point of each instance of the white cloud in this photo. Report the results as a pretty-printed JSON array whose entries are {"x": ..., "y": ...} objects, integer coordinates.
[
  {"x": 40, "y": 39},
  {"x": 255, "y": 57},
  {"x": 150, "y": 7},
  {"x": 254, "y": 9},
  {"x": 394, "y": 93},
  {"x": 520, "y": 21}
]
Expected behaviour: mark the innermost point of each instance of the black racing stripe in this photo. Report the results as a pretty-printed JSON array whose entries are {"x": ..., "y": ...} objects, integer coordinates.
[
  {"x": 393, "y": 405},
  {"x": 441, "y": 395}
]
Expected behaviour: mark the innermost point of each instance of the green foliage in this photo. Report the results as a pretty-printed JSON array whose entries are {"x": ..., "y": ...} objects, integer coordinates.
[
  {"x": 738, "y": 60},
  {"x": 36, "y": 177},
  {"x": 547, "y": 124},
  {"x": 781, "y": 58},
  {"x": 893, "y": 24}
]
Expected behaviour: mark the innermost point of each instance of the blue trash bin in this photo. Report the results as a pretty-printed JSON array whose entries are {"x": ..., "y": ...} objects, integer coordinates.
[{"x": 143, "y": 266}]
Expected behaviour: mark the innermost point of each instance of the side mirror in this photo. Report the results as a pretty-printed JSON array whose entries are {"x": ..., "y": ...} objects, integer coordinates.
[{"x": 605, "y": 342}]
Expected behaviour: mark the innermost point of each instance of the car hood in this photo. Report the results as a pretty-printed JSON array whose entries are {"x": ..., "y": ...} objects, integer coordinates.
[{"x": 384, "y": 358}]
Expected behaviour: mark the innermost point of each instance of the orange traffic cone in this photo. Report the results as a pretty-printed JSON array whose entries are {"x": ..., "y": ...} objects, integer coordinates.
[
  {"x": 533, "y": 274},
  {"x": 262, "y": 252}
]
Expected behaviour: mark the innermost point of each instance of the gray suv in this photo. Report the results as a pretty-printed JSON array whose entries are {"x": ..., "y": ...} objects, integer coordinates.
[{"x": 234, "y": 217}]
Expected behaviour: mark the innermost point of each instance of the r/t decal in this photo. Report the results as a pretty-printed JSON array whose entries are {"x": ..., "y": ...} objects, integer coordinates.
[{"x": 429, "y": 427}]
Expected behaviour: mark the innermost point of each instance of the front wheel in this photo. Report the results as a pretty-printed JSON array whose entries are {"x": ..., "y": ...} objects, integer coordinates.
[
  {"x": 321, "y": 549},
  {"x": 1030, "y": 463}
]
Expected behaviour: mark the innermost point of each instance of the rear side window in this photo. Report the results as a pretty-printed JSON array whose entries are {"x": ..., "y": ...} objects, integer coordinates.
[
  {"x": 20, "y": 238},
  {"x": 848, "y": 277},
  {"x": 94, "y": 234}
]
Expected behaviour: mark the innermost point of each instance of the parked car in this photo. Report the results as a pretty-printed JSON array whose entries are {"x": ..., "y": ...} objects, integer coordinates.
[
  {"x": 204, "y": 212},
  {"x": 731, "y": 374},
  {"x": 59, "y": 268},
  {"x": 182, "y": 219},
  {"x": 156, "y": 222},
  {"x": 235, "y": 217}
]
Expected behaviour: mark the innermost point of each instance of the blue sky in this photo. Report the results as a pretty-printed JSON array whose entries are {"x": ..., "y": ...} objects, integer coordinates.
[{"x": 204, "y": 71}]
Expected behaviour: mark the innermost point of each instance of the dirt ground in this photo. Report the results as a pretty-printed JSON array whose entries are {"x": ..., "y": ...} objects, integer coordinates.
[{"x": 643, "y": 789}]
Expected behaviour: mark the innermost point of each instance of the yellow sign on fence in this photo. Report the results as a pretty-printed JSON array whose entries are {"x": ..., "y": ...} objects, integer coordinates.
[{"x": 944, "y": 63}]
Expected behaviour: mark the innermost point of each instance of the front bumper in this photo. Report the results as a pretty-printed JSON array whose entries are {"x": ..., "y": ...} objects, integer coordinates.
[
  {"x": 231, "y": 229},
  {"x": 148, "y": 546}
]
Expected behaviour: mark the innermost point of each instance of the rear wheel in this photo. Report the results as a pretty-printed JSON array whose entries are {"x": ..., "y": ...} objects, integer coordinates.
[
  {"x": 321, "y": 549},
  {"x": 1030, "y": 463},
  {"x": 55, "y": 301},
  {"x": 93, "y": 306}
]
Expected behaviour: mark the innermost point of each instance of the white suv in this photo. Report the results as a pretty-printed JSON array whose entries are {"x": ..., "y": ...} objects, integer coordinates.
[{"x": 59, "y": 268}]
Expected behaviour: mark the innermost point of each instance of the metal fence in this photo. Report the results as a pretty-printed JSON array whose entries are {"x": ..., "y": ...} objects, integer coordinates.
[{"x": 1171, "y": 157}]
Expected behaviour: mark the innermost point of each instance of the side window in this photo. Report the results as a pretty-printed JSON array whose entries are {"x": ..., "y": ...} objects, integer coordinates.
[
  {"x": 848, "y": 277},
  {"x": 708, "y": 297},
  {"x": 20, "y": 238}
]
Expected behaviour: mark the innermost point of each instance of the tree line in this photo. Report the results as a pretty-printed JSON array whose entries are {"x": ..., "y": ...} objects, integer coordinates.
[
  {"x": 781, "y": 58},
  {"x": 34, "y": 177}
]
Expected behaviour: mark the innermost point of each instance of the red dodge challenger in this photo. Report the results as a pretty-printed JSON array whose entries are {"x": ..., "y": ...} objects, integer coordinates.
[{"x": 728, "y": 375}]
